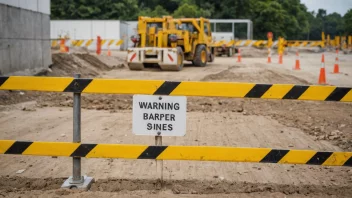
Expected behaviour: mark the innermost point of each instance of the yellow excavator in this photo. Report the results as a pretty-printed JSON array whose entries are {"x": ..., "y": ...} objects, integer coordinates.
[{"x": 167, "y": 42}]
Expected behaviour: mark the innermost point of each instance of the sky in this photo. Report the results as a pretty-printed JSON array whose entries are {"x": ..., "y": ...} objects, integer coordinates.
[{"x": 339, "y": 6}]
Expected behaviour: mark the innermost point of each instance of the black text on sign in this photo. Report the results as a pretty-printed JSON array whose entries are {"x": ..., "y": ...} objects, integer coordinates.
[{"x": 159, "y": 115}]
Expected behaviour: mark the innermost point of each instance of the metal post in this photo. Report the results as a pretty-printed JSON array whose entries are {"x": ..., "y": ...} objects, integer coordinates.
[
  {"x": 159, "y": 163},
  {"x": 233, "y": 31},
  {"x": 76, "y": 177},
  {"x": 251, "y": 29},
  {"x": 77, "y": 180},
  {"x": 248, "y": 31}
]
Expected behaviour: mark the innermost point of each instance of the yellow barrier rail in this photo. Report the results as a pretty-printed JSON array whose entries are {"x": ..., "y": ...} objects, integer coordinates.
[
  {"x": 199, "y": 153},
  {"x": 177, "y": 88}
]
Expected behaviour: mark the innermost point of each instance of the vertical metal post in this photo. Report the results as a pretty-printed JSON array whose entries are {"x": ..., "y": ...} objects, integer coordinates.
[
  {"x": 159, "y": 163},
  {"x": 76, "y": 177},
  {"x": 251, "y": 30},
  {"x": 248, "y": 31},
  {"x": 233, "y": 31},
  {"x": 77, "y": 180}
]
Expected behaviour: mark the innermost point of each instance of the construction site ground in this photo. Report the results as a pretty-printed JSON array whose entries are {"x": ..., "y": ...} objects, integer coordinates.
[{"x": 235, "y": 122}]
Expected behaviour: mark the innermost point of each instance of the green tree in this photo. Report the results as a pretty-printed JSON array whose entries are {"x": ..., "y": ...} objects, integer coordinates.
[
  {"x": 159, "y": 12},
  {"x": 334, "y": 25},
  {"x": 269, "y": 17},
  {"x": 316, "y": 26},
  {"x": 62, "y": 9},
  {"x": 348, "y": 22},
  {"x": 94, "y": 9},
  {"x": 186, "y": 10}
]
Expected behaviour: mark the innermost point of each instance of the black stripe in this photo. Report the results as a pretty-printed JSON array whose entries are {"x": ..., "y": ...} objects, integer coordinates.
[
  {"x": 274, "y": 156},
  {"x": 18, "y": 147},
  {"x": 338, "y": 94},
  {"x": 257, "y": 91},
  {"x": 166, "y": 88},
  {"x": 348, "y": 162},
  {"x": 296, "y": 92},
  {"x": 152, "y": 152},
  {"x": 3, "y": 79},
  {"x": 319, "y": 158},
  {"x": 83, "y": 150},
  {"x": 78, "y": 85}
]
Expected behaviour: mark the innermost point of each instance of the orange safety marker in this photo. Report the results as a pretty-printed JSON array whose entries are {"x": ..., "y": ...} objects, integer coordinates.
[
  {"x": 336, "y": 66},
  {"x": 239, "y": 58},
  {"x": 269, "y": 55},
  {"x": 62, "y": 45},
  {"x": 280, "y": 58},
  {"x": 109, "y": 52},
  {"x": 98, "y": 45},
  {"x": 322, "y": 75},
  {"x": 298, "y": 65}
]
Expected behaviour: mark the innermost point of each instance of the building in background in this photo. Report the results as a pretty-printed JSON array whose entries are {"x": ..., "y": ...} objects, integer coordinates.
[
  {"x": 24, "y": 36},
  {"x": 111, "y": 30}
]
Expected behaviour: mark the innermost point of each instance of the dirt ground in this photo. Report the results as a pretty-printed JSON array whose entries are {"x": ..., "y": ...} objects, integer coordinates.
[{"x": 323, "y": 126}]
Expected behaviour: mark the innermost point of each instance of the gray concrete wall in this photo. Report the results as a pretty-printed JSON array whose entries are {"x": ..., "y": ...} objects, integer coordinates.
[{"x": 24, "y": 41}]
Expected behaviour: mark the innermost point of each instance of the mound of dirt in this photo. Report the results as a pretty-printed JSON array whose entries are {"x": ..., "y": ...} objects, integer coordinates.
[
  {"x": 68, "y": 64},
  {"x": 253, "y": 52},
  {"x": 10, "y": 184},
  {"x": 258, "y": 75}
]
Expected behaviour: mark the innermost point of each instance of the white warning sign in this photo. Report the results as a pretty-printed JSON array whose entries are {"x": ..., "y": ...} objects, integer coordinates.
[{"x": 159, "y": 115}]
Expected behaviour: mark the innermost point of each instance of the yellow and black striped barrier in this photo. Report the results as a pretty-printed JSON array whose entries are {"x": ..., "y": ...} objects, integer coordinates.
[
  {"x": 199, "y": 153},
  {"x": 173, "y": 88},
  {"x": 88, "y": 42}
]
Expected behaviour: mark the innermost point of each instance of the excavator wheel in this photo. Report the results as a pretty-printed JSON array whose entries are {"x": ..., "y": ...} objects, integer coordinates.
[
  {"x": 180, "y": 58},
  {"x": 200, "y": 58}
]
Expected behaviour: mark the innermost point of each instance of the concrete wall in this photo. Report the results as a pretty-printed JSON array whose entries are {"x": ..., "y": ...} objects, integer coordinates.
[
  {"x": 42, "y": 6},
  {"x": 24, "y": 40},
  {"x": 132, "y": 30},
  {"x": 85, "y": 29},
  {"x": 90, "y": 29},
  {"x": 124, "y": 34}
]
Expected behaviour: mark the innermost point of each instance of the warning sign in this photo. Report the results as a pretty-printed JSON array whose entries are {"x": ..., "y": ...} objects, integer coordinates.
[{"x": 159, "y": 115}]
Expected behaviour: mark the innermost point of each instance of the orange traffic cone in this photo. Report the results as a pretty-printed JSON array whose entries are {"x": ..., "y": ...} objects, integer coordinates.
[
  {"x": 298, "y": 65},
  {"x": 280, "y": 58},
  {"x": 109, "y": 52},
  {"x": 336, "y": 66},
  {"x": 269, "y": 55},
  {"x": 239, "y": 56},
  {"x": 322, "y": 75}
]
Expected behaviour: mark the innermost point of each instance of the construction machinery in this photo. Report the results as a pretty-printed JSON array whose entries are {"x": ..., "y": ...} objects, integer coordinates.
[
  {"x": 166, "y": 42},
  {"x": 223, "y": 44},
  {"x": 224, "y": 48}
]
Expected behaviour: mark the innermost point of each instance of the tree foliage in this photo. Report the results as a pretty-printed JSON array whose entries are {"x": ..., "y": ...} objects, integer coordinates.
[
  {"x": 348, "y": 22},
  {"x": 287, "y": 18}
]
